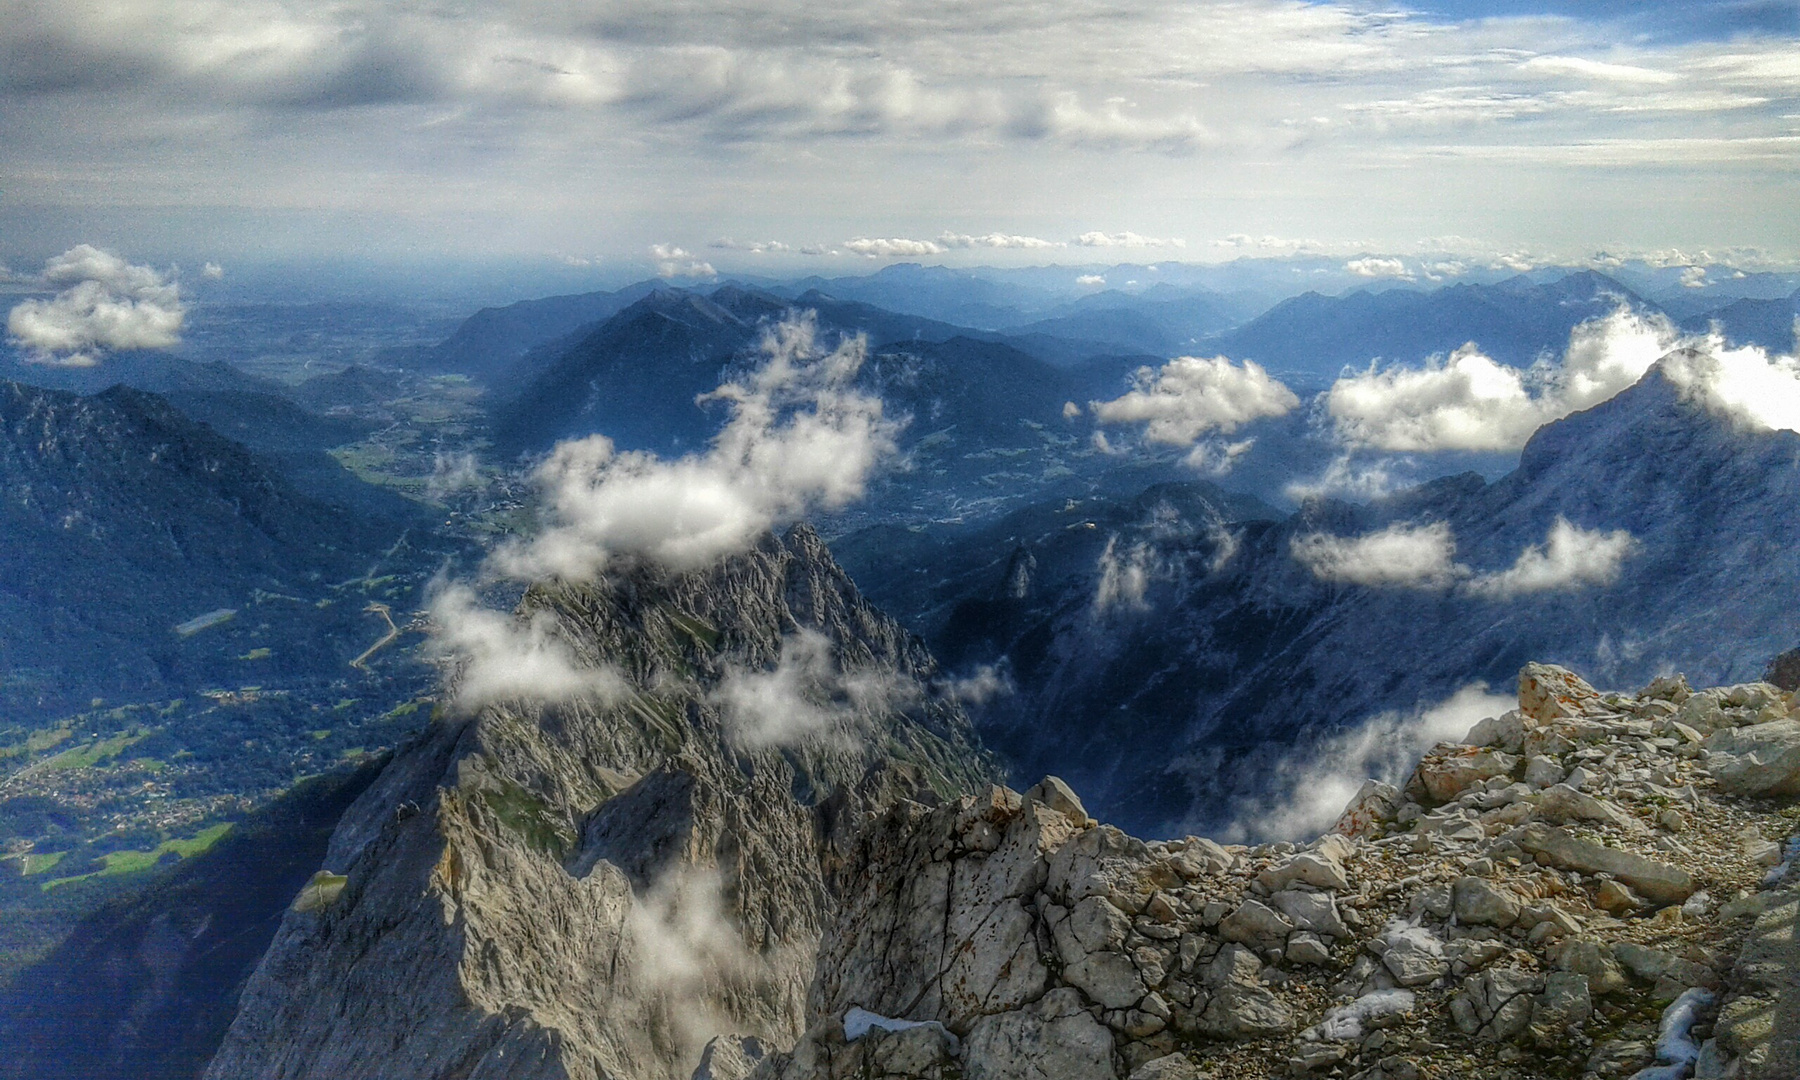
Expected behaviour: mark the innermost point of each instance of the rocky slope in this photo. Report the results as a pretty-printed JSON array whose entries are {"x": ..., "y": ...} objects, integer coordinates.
[
  {"x": 598, "y": 887},
  {"x": 1170, "y": 659},
  {"x": 1592, "y": 885}
]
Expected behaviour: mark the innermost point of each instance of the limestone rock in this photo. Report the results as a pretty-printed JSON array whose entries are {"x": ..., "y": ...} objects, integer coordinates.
[
  {"x": 1168, "y": 1067},
  {"x": 1760, "y": 760},
  {"x": 1373, "y": 806},
  {"x": 1497, "y": 1004},
  {"x": 1414, "y": 956},
  {"x": 1483, "y": 903},
  {"x": 1055, "y": 1038},
  {"x": 730, "y": 1057},
  {"x": 1656, "y": 881},
  {"x": 1058, "y": 796},
  {"x": 1253, "y": 922},
  {"x": 1448, "y": 769},
  {"x": 1548, "y": 693}
]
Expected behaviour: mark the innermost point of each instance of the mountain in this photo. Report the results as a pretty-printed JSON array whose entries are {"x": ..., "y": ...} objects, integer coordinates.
[
  {"x": 350, "y": 388},
  {"x": 123, "y": 518},
  {"x": 1160, "y": 321},
  {"x": 490, "y": 340},
  {"x": 1167, "y": 659},
  {"x": 1313, "y": 337},
  {"x": 962, "y": 297},
  {"x": 598, "y": 887},
  {"x": 1768, "y": 323},
  {"x": 144, "y": 988}
]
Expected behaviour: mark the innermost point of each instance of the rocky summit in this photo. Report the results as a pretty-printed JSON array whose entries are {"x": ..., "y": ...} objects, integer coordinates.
[
  {"x": 1591, "y": 885},
  {"x": 599, "y": 887}
]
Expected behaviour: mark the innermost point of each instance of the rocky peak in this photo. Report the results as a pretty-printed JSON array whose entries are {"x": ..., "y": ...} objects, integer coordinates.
[
  {"x": 1595, "y": 884},
  {"x": 599, "y": 887}
]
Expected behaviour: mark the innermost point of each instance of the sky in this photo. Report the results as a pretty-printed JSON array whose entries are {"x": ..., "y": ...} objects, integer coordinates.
[{"x": 777, "y": 136}]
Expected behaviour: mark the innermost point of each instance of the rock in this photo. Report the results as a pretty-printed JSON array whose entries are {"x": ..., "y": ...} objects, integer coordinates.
[
  {"x": 1447, "y": 770},
  {"x": 925, "y": 1050},
  {"x": 1548, "y": 693},
  {"x": 1109, "y": 978},
  {"x": 1759, "y": 760},
  {"x": 1098, "y": 926},
  {"x": 1306, "y": 948},
  {"x": 1058, "y": 796},
  {"x": 1616, "y": 898},
  {"x": 1054, "y": 1038},
  {"x": 1670, "y": 688},
  {"x": 1497, "y": 1003},
  {"x": 1244, "y": 1012},
  {"x": 1619, "y": 1057},
  {"x": 1373, "y": 806},
  {"x": 730, "y": 1057},
  {"x": 1651, "y": 965},
  {"x": 1316, "y": 868},
  {"x": 1482, "y": 903},
  {"x": 1233, "y": 964},
  {"x": 1655, "y": 881},
  {"x": 1255, "y": 923},
  {"x": 1760, "y": 1024},
  {"x": 1504, "y": 732},
  {"x": 1783, "y": 672},
  {"x": 1562, "y": 803},
  {"x": 1541, "y": 771},
  {"x": 1563, "y": 1007},
  {"x": 1167, "y": 1067},
  {"x": 1313, "y": 911},
  {"x": 1414, "y": 956},
  {"x": 320, "y": 892},
  {"x": 1585, "y": 956}
]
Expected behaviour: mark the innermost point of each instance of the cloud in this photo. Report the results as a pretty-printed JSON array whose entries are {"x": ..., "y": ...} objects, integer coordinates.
[
  {"x": 1216, "y": 457},
  {"x": 1694, "y": 277},
  {"x": 1595, "y": 69},
  {"x": 684, "y": 953},
  {"x": 1349, "y": 478},
  {"x": 979, "y": 687},
  {"x": 1403, "y": 555},
  {"x": 1373, "y": 267},
  {"x": 104, "y": 304},
  {"x": 1747, "y": 384},
  {"x": 1189, "y": 397},
  {"x": 1472, "y": 402},
  {"x": 1124, "y": 578},
  {"x": 892, "y": 247},
  {"x": 453, "y": 474},
  {"x": 672, "y": 261},
  {"x": 807, "y": 697},
  {"x": 1570, "y": 558},
  {"x": 1125, "y": 239},
  {"x": 496, "y": 656},
  {"x": 754, "y": 247},
  {"x": 212, "y": 271},
  {"x": 799, "y": 437},
  {"x": 1090, "y": 280},
  {"x": 1313, "y": 784},
  {"x": 1003, "y": 241}
]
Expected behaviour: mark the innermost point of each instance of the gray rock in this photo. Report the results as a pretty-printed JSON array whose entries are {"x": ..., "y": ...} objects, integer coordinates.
[
  {"x": 1058, "y": 796},
  {"x": 730, "y": 1057},
  {"x": 1254, "y": 922},
  {"x": 1497, "y": 1003},
  {"x": 1168, "y": 1067},
  {"x": 1414, "y": 956},
  {"x": 1548, "y": 693},
  {"x": 1305, "y": 948},
  {"x": 1313, "y": 911},
  {"x": 1563, "y": 1007},
  {"x": 1479, "y": 902},
  {"x": 1656, "y": 881},
  {"x": 1109, "y": 978},
  {"x": 1054, "y": 1040},
  {"x": 1760, "y": 760},
  {"x": 1236, "y": 1011}
]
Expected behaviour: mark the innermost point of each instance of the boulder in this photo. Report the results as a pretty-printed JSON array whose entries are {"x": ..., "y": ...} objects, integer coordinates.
[
  {"x": 730, "y": 1057},
  {"x": 1562, "y": 803},
  {"x": 1237, "y": 1011},
  {"x": 1548, "y": 693},
  {"x": 1448, "y": 769},
  {"x": 1255, "y": 923},
  {"x": 1590, "y": 958},
  {"x": 1504, "y": 732},
  {"x": 1056, "y": 1037},
  {"x": 1763, "y": 759},
  {"x": 1060, "y": 797},
  {"x": 1372, "y": 807},
  {"x": 1563, "y": 1007},
  {"x": 1109, "y": 978},
  {"x": 1541, "y": 771},
  {"x": 1483, "y": 903},
  {"x": 1168, "y": 1067},
  {"x": 1313, "y": 911},
  {"x": 1321, "y": 869},
  {"x": 1414, "y": 956},
  {"x": 1496, "y": 1004},
  {"x": 1657, "y": 882}
]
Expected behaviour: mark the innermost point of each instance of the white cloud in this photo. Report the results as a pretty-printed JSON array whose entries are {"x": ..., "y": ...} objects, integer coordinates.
[
  {"x": 1125, "y": 239},
  {"x": 799, "y": 437},
  {"x": 1346, "y": 477},
  {"x": 806, "y": 697},
  {"x": 496, "y": 656},
  {"x": 1570, "y": 558},
  {"x": 454, "y": 474},
  {"x": 1315, "y": 783},
  {"x": 1124, "y": 578},
  {"x": 1595, "y": 69},
  {"x": 212, "y": 271},
  {"x": 1747, "y": 384},
  {"x": 672, "y": 261},
  {"x": 685, "y": 955},
  {"x": 1216, "y": 457},
  {"x": 1003, "y": 241},
  {"x": 1071, "y": 411},
  {"x": 892, "y": 247},
  {"x": 1694, "y": 277},
  {"x": 1472, "y": 402},
  {"x": 1402, "y": 555},
  {"x": 1374, "y": 267},
  {"x": 754, "y": 247},
  {"x": 105, "y": 304},
  {"x": 981, "y": 686},
  {"x": 1189, "y": 397},
  {"x": 1092, "y": 281}
]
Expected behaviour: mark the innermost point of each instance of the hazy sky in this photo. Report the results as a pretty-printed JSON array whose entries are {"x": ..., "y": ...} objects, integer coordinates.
[{"x": 583, "y": 128}]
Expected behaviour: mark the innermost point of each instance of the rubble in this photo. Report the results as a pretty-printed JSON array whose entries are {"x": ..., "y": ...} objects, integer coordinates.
[{"x": 1580, "y": 889}]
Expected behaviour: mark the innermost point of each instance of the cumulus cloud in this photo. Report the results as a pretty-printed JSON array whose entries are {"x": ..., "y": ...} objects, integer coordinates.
[
  {"x": 1408, "y": 555},
  {"x": 1374, "y": 267},
  {"x": 212, "y": 271},
  {"x": 1694, "y": 277},
  {"x": 799, "y": 437},
  {"x": 892, "y": 247},
  {"x": 496, "y": 656},
  {"x": 1747, "y": 384},
  {"x": 104, "y": 304},
  {"x": 1004, "y": 241},
  {"x": 1404, "y": 555},
  {"x": 1348, "y": 478},
  {"x": 1570, "y": 558},
  {"x": 1091, "y": 281},
  {"x": 1189, "y": 397},
  {"x": 1216, "y": 457},
  {"x": 1125, "y": 239},
  {"x": 672, "y": 261},
  {"x": 1470, "y": 401},
  {"x": 1314, "y": 784}
]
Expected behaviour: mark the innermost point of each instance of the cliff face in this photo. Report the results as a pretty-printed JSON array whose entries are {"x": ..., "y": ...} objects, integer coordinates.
[
  {"x": 597, "y": 888},
  {"x": 1591, "y": 885}
]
